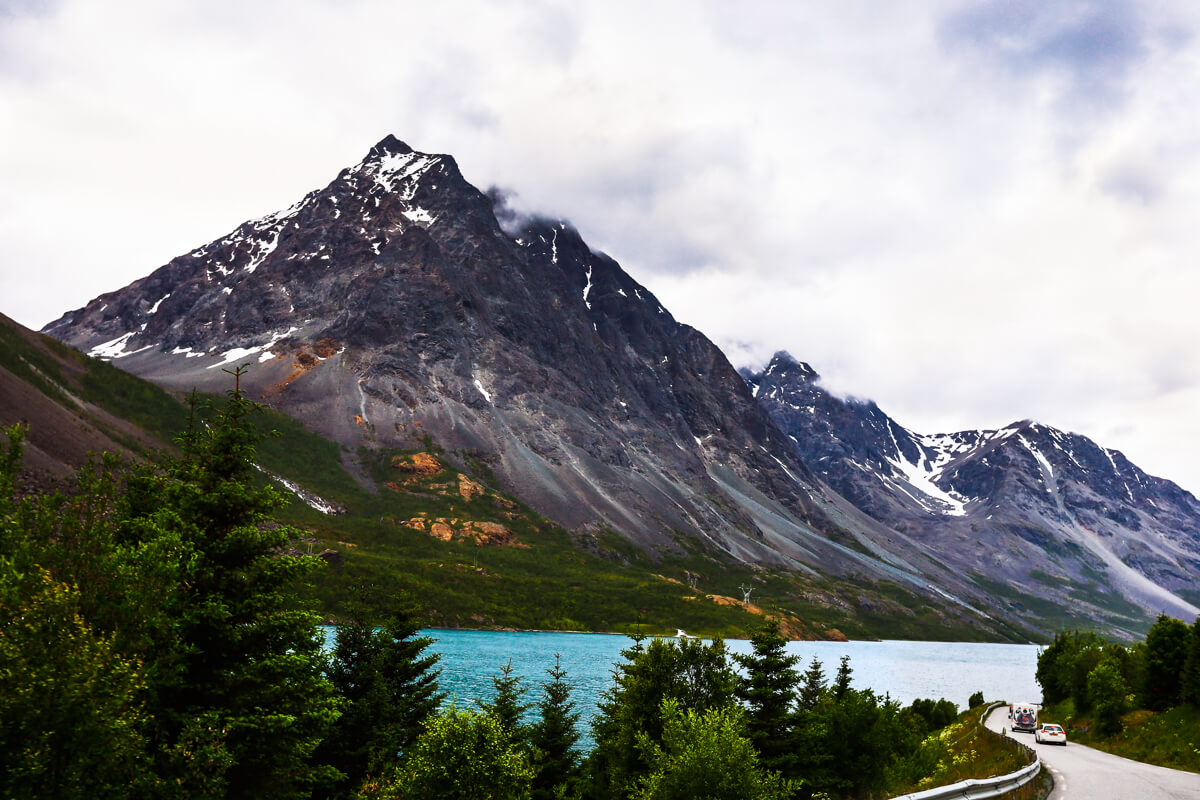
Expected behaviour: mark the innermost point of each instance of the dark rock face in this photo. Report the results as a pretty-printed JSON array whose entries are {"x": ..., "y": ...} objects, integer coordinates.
[
  {"x": 391, "y": 303},
  {"x": 1035, "y": 506}
]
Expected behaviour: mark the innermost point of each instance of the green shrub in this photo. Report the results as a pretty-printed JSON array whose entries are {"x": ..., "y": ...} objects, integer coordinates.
[
  {"x": 462, "y": 755},
  {"x": 705, "y": 754}
]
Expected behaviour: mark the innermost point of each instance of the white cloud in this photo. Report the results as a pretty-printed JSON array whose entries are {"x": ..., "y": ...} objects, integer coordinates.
[{"x": 971, "y": 213}]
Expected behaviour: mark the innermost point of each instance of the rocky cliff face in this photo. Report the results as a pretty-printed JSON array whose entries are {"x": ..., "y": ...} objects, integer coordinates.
[
  {"x": 392, "y": 304},
  {"x": 1028, "y": 507}
]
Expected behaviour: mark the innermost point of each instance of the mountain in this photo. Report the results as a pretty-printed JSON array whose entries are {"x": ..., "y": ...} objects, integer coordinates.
[
  {"x": 391, "y": 309},
  {"x": 400, "y": 309},
  {"x": 390, "y": 305},
  {"x": 1026, "y": 509}
]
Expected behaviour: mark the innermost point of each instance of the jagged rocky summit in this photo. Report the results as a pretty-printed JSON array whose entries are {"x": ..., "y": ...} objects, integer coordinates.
[
  {"x": 392, "y": 305},
  {"x": 1026, "y": 504}
]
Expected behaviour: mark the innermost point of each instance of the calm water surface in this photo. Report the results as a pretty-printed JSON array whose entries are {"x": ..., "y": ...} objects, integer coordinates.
[{"x": 904, "y": 670}]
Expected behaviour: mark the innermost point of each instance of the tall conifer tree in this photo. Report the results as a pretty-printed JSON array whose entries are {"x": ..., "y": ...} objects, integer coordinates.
[
  {"x": 506, "y": 705},
  {"x": 768, "y": 691},
  {"x": 388, "y": 687},
  {"x": 242, "y": 672},
  {"x": 553, "y": 738}
]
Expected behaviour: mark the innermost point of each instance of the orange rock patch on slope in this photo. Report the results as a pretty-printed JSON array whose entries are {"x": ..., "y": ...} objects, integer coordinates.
[
  {"x": 468, "y": 488},
  {"x": 482, "y": 534},
  {"x": 418, "y": 465}
]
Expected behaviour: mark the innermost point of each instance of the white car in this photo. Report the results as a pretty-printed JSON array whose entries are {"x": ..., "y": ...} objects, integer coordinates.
[{"x": 1050, "y": 733}]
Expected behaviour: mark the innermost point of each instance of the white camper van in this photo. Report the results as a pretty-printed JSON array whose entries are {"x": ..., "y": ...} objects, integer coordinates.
[{"x": 1024, "y": 716}]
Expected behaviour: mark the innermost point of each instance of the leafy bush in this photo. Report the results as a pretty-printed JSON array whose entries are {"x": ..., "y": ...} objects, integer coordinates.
[
  {"x": 1107, "y": 689},
  {"x": 705, "y": 754},
  {"x": 462, "y": 755},
  {"x": 73, "y": 708},
  {"x": 1166, "y": 653},
  {"x": 933, "y": 714}
]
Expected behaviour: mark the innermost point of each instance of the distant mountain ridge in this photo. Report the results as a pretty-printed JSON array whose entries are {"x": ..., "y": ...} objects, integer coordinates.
[
  {"x": 391, "y": 306},
  {"x": 1046, "y": 503}
]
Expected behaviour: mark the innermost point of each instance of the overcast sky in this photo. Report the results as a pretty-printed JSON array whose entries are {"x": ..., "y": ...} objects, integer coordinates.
[{"x": 971, "y": 212}]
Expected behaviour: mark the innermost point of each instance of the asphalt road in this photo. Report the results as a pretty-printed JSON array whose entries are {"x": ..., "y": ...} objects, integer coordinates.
[{"x": 1081, "y": 773}]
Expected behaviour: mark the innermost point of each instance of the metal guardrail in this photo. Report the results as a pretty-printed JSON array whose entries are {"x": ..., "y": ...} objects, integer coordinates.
[{"x": 979, "y": 788}]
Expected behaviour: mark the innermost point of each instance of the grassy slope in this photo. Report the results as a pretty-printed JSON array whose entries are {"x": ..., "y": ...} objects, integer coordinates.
[
  {"x": 55, "y": 369},
  {"x": 559, "y": 581},
  {"x": 1169, "y": 739}
]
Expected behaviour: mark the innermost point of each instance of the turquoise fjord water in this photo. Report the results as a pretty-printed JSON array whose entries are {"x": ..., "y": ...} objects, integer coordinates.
[{"x": 904, "y": 670}]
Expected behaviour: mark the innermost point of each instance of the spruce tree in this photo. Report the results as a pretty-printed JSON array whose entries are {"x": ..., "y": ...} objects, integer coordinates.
[
  {"x": 407, "y": 679},
  {"x": 239, "y": 667},
  {"x": 506, "y": 705},
  {"x": 768, "y": 692},
  {"x": 553, "y": 738},
  {"x": 387, "y": 685},
  {"x": 812, "y": 686},
  {"x": 808, "y": 741},
  {"x": 841, "y": 683}
]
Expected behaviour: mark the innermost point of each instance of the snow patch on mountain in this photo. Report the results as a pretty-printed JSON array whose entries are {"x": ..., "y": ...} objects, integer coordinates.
[
  {"x": 312, "y": 499},
  {"x": 154, "y": 308},
  {"x": 238, "y": 353},
  {"x": 402, "y": 171},
  {"x": 1043, "y": 462},
  {"x": 418, "y": 215},
  {"x": 115, "y": 348},
  {"x": 922, "y": 477}
]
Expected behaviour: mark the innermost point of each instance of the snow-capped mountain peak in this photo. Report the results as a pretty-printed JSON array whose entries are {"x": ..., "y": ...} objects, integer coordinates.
[{"x": 1055, "y": 502}]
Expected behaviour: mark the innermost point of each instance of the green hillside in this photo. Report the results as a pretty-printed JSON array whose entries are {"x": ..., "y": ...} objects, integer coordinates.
[{"x": 435, "y": 524}]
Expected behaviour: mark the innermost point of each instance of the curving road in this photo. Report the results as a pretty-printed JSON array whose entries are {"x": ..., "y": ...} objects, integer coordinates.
[{"x": 1082, "y": 773}]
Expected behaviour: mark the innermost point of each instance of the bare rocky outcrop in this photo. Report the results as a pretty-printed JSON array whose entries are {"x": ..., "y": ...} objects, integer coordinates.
[
  {"x": 469, "y": 489},
  {"x": 418, "y": 465},
  {"x": 482, "y": 534}
]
